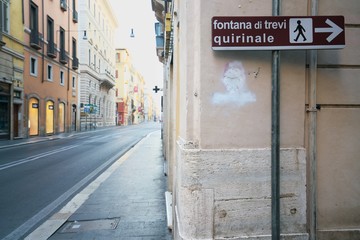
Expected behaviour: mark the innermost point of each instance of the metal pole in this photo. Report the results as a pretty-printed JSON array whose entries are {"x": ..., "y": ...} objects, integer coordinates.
[
  {"x": 275, "y": 138},
  {"x": 312, "y": 134},
  {"x": 275, "y": 148},
  {"x": 312, "y": 145}
]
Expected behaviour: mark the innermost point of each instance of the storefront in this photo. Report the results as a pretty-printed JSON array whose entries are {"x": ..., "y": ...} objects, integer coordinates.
[
  {"x": 49, "y": 117},
  {"x": 33, "y": 123},
  {"x": 4, "y": 110}
]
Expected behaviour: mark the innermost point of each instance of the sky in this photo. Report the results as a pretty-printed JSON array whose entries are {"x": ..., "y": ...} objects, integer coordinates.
[{"x": 138, "y": 15}]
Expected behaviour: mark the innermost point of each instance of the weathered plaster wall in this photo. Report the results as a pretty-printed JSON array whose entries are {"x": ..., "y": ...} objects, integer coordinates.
[{"x": 222, "y": 168}]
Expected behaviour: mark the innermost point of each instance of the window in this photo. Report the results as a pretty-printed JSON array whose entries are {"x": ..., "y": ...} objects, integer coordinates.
[
  {"x": 34, "y": 34},
  {"x": 33, "y": 17},
  {"x": 62, "y": 78},
  {"x": 51, "y": 49},
  {"x": 33, "y": 116},
  {"x": 89, "y": 58},
  {"x": 63, "y": 5},
  {"x": 49, "y": 72},
  {"x": 62, "y": 39},
  {"x": 74, "y": 48},
  {"x": 33, "y": 66},
  {"x": 63, "y": 57},
  {"x": 49, "y": 117},
  {"x": 75, "y": 13},
  {"x": 4, "y": 19},
  {"x": 61, "y": 117},
  {"x": 75, "y": 59},
  {"x": 95, "y": 62},
  {"x": 73, "y": 82},
  {"x": 50, "y": 29}
]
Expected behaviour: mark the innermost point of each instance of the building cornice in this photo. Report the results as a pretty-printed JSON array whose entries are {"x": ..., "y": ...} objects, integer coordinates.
[{"x": 13, "y": 53}]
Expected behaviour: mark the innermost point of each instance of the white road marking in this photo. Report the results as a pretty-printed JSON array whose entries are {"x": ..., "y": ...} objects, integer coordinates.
[{"x": 35, "y": 157}]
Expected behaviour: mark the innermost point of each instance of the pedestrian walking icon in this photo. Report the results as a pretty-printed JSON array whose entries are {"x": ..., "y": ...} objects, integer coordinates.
[{"x": 301, "y": 30}]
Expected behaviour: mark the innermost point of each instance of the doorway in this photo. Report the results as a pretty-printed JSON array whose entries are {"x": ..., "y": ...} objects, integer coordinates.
[{"x": 33, "y": 117}]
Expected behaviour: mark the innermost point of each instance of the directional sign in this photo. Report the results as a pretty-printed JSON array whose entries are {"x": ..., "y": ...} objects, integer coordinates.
[{"x": 278, "y": 33}]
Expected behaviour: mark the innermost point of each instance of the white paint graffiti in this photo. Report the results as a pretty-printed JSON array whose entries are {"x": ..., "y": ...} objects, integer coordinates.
[{"x": 234, "y": 79}]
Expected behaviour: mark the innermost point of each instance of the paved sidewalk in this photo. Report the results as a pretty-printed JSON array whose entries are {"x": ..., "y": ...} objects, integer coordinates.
[{"x": 126, "y": 202}]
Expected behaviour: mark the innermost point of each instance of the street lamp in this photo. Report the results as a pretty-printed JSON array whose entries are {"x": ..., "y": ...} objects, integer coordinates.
[
  {"x": 84, "y": 37},
  {"x": 132, "y": 35}
]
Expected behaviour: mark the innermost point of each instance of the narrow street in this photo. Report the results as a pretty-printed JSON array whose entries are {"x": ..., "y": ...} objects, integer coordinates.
[{"x": 39, "y": 178}]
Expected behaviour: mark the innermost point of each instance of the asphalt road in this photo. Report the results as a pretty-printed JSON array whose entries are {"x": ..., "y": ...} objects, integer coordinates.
[{"x": 38, "y": 179}]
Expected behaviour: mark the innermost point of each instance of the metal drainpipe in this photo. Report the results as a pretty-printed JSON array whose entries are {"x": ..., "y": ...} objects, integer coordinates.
[
  {"x": 43, "y": 40},
  {"x": 68, "y": 108},
  {"x": 68, "y": 65},
  {"x": 312, "y": 133},
  {"x": 275, "y": 137}
]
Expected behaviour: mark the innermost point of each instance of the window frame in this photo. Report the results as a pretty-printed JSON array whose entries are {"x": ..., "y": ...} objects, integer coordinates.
[
  {"x": 34, "y": 15},
  {"x": 73, "y": 82},
  {"x": 50, "y": 29},
  {"x": 74, "y": 48},
  {"x": 33, "y": 69},
  {"x": 62, "y": 39},
  {"x": 62, "y": 78},
  {"x": 5, "y": 19},
  {"x": 50, "y": 73}
]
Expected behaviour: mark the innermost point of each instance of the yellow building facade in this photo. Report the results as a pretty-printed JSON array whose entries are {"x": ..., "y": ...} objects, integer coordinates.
[
  {"x": 130, "y": 87},
  {"x": 12, "y": 69}
]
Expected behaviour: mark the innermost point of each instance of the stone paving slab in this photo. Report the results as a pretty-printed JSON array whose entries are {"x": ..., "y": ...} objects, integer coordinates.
[{"x": 134, "y": 194}]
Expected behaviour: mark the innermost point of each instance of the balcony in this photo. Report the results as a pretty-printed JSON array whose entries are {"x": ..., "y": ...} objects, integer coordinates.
[
  {"x": 63, "y": 56},
  {"x": 107, "y": 80},
  {"x": 51, "y": 49},
  {"x": 63, "y": 5},
  {"x": 35, "y": 39},
  {"x": 75, "y": 63},
  {"x": 75, "y": 16}
]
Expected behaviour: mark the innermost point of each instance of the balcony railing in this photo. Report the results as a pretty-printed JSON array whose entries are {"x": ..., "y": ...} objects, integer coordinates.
[
  {"x": 35, "y": 39},
  {"x": 51, "y": 49},
  {"x": 107, "y": 79},
  {"x": 63, "y": 56},
  {"x": 75, "y": 63},
  {"x": 63, "y": 5},
  {"x": 75, "y": 16}
]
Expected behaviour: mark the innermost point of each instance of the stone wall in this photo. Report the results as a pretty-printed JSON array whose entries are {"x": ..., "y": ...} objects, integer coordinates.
[{"x": 226, "y": 194}]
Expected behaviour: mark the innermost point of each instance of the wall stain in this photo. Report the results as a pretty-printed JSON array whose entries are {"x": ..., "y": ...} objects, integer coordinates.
[{"x": 237, "y": 92}]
